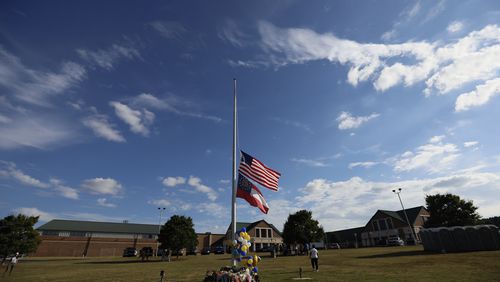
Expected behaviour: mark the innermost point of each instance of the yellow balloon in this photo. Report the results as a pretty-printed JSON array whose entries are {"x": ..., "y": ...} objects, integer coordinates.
[
  {"x": 244, "y": 248},
  {"x": 247, "y": 236},
  {"x": 255, "y": 260},
  {"x": 249, "y": 261}
]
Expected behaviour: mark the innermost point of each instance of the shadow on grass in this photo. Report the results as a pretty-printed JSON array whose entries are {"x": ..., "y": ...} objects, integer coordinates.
[{"x": 399, "y": 254}]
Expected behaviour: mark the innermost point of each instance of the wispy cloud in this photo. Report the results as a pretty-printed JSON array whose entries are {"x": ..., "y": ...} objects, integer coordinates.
[
  {"x": 37, "y": 87},
  {"x": 232, "y": 34},
  {"x": 169, "y": 29},
  {"x": 138, "y": 120},
  {"x": 172, "y": 104},
  {"x": 347, "y": 121},
  {"x": 470, "y": 144},
  {"x": 406, "y": 16},
  {"x": 102, "y": 127},
  {"x": 196, "y": 183},
  {"x": 362, "y": 164},
  {"x": 296, "y": 124},
  {"x": 309, "y": 162},
  {"x": 10, "y": 170},
  {"x": 107, "y": 58},
  {"x": 63, "y": 190}
]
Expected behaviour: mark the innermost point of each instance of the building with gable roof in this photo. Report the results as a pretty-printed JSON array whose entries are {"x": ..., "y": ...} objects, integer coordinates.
[
  {"x": 263, "y": 234},
  {"x": 384, "y": 224}
]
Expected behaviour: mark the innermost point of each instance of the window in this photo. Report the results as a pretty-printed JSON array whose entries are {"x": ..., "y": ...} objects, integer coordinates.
[
  {"x": 375, "y": 225},
  {"x": 389, "y": 223},
  {"x": 269, "y": 233},
  {"x": 77, "y": 234},
  {"x": 257, "y": 232},
  {"x": 382, "y": 223}
]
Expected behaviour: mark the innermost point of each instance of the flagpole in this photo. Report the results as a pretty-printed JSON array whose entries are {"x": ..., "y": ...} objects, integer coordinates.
[{"x": 233, "y": 206}]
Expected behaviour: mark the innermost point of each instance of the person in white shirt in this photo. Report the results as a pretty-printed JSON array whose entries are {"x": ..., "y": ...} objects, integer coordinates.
[
  {"x": 13, "y": 262},
  {"x": 314, "y": 258}
]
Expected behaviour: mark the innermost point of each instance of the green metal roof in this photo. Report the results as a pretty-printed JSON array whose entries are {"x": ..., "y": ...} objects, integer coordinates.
[{"x": 103, "y": 227}]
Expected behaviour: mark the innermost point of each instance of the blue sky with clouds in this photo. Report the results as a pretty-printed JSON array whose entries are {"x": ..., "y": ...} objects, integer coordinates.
[{"x": 109, "y": 110}]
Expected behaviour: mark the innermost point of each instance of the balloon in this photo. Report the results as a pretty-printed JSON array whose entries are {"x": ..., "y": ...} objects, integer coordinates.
[
  {"x": 243, "y": 253},
  {"x": 244, "y": 242},
  {"x": 243, "y": 229},
  {"x": 255, "y": 269},
  {"x": 247, "y": 237},
  {"x": 255, "y": 260},
  {"x": 249, "y": 261},
  {"x": 244, "y": 248},
  {"x": 240, "y": 239},
  {"x": 249, "y": 244},
  {"x": 235, "y": 242}
]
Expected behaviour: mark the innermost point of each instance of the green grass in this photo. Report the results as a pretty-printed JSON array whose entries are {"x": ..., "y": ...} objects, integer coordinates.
[{"x": 383, "y": 264}]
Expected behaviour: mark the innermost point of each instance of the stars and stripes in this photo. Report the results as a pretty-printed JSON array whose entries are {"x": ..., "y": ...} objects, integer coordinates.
[
  {"x": 246, "y": 190},
  {"x": 257, "y": 171}
]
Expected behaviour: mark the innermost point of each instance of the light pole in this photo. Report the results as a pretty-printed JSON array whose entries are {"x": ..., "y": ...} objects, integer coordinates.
[
  {"x": 397, "y": 192},
  {"x": 161, "y": 210}
]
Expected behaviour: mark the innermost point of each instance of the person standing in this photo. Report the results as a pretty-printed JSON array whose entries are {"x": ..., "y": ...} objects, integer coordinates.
[
  {"x": 12, "y": 263},
  {"x": 314, "y": 258}
]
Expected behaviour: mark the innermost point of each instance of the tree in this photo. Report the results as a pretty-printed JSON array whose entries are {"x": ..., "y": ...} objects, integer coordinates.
[
  {"x": 301, "y": 228},
  {"x": 449, "y": 210},
  {"x": 18, "y": 235},
  {"x": 177, "y": 234}
]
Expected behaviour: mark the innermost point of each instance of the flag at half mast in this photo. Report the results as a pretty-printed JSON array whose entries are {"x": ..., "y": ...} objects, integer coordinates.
[
  {"x": 246, "y": 190},
  {"x": 257, "y": 171}
]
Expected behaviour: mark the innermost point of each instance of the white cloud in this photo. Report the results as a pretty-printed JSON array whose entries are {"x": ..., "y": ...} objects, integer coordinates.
[
  {"x": 137, "y": 120},
  {"x": 213, "y": 209},
  {"x": 232, "y": 34},
  {"x": 104, "y": 203},
  {"x": 63, "y": 190},
  {"x": 436, "y": 139},
  {"x": 293, "y": 123},
  {"x": 478, "y": 97},
  {"x": 172, "y": 104},
  {"x": 196, "y": 183},
  {"x": 432, "y": 157},
  {"x": 470, "y": 144},
  {"x": 347, "y": 121},
  {"x": 44, "y": 216},
  {"x": 102, "y": 128},
  {"x": 10, "y": 170},
  {"x": 455, "y": 27},
  {"x": 356, "y": 199},
  {"x": 103, "y": 186},
  {"x": 308, "y": 162},
  {"x": 362, "y": 164},
  {"x": 173, "y": 181},
  {"x": 443, "y": 67},
  {"x": 403, "y": 19},
  {"x": 160, "y": 203},
  {"x": 169, "y": 29},
  {"x": 33, "y": 86},
  {"x": 108, "y": 58}
]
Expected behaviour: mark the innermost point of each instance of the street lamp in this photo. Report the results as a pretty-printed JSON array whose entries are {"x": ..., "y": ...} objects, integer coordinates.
[
  {"x": 397, "y": 192},
  {"x": 161, "y": 210}
]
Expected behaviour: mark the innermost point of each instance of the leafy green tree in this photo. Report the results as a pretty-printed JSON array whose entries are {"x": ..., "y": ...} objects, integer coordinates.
[
  {"x": 178, "y": 233},
  {"x": 18, "y": 235},
  {"x": 449, "y": 210},
  {"x": 301, "y": 228}
]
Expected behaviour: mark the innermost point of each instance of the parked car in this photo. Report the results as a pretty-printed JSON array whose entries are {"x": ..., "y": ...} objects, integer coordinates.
[
  {"x": 395, "y": 241},
  {"x": 205, "y": 251},
  {"x": 147, "y": 251},
  {"x": 130, "y": 252},
  {"x": 219, "y": 250},
  {"x": 194, "y": 252}
]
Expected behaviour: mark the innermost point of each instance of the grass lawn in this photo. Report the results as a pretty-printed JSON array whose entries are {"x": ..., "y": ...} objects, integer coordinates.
[{"x": 392, "y": 263}]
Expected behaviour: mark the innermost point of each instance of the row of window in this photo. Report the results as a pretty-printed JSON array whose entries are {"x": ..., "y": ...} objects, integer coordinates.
[
  {"x": 382, "y": 224},
  {"x": 263, "y": 232},
  {"x": 85, "y": 234}
]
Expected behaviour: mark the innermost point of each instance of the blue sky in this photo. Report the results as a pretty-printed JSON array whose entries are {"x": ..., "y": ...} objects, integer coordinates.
[{"x": 109, "y": 110}]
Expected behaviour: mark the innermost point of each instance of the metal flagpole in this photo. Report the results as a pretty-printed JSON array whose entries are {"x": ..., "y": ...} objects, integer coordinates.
[{"x": 233, "y": 206}]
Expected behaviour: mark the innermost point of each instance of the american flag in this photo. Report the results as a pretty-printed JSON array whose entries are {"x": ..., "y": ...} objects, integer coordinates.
[{"x": 257, "y": 171}]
